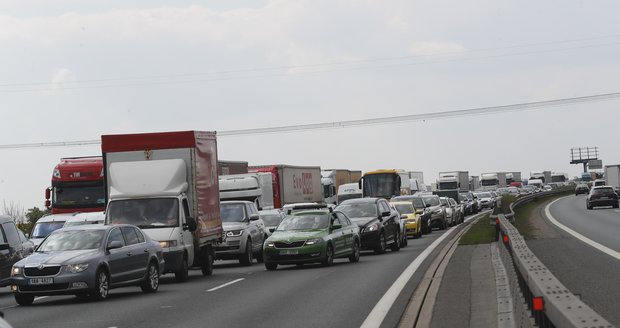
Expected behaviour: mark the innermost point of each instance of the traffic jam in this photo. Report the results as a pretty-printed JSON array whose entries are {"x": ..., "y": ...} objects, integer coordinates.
[{"x": 162, "y": 203}]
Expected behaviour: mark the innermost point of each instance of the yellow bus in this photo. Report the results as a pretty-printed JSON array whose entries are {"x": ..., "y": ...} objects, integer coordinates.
[{"x": 385, "y": 183}]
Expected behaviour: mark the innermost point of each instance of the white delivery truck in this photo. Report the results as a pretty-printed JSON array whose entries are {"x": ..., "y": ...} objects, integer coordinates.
[
  {"x": 612, "y": 176},
  {"x": 253, "y": 187},
  {"x": 348, "y": 191},
  {"x": 456, "y": 180},
  {"x": 167, "y": 184},
  {"x": 331, "y": 179}
]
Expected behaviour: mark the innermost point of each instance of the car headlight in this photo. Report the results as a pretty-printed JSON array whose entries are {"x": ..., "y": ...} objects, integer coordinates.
[
  {"x": 234, "y": 233},
  {"x": 269, "y": 244},
  {"x": 16, "y": 271},
  {"x": 76, "y": 268},
  {"x": 168, "y": 243},
  {"x": 314, "y": 241},
  {"x": 372, "y": 227}
]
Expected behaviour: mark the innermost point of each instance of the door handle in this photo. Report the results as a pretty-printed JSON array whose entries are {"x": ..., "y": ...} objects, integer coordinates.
[
  {"x": 129, "y": 254},
  {"x": 146, "y": 250}
]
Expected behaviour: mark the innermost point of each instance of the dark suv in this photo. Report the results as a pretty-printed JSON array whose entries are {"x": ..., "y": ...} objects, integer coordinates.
[
  {"x": 379, "y": 224},
  {"x": 602, "y": 196},
  {"x": 582, "y": 188},
  {"x": 438, "y": 212},
  {"x": 12, "y": 248}
]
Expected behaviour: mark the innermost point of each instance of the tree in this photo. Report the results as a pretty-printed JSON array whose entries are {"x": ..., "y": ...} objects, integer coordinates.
[
  {"x": 33, "y": 215},
  {"x": 14, "y": 210}
]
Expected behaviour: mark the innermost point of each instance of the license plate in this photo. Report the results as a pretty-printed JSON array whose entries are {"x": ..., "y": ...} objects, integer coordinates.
[
  {"x": 41, "y": 281},
  {"x": 289, "y": 252}
]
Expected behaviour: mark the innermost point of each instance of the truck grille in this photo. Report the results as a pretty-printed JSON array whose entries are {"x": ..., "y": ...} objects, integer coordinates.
[
  {"x": 45, "y": 271},
  {"x": 283, "y": 244}
]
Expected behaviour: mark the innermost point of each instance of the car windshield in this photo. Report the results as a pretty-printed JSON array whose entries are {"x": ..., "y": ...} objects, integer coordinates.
[
  {"x": 359, "y": 210},
  {"x": 417, "y": 202},
  {"x": 304, "y": 222},
  {"x": 271, "y": 219},
  {"x": 434, "y": 201},
  {"x": 72, "y": 240},
  {"x": 484, "y": 195},
  {"x": 144, "y": 213},
  {"x": 232, "y": 212},
  {"x": 83, "y": 222},
  {"x": 404, "y": 208},
  {"x": 42, "y": 229},
  {"x": 443, "y": 201}
]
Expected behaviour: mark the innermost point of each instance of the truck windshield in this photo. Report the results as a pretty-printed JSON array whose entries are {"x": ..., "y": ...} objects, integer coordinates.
[
  {"x": 383, "y": 185},
  {"x": 232, "y": 212},
  {"x": 42, "y": 229},
  {"x": 77, "y": 195},
  {"x": 447, "y": 185},
  {"x": 144, "y": 213},
  {"x": 490, "y": 182}
]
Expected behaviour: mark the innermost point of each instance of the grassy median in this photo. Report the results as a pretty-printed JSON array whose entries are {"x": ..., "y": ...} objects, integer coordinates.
[
  {"x": 480, "y": 232},
  {"x": 524, "y": 214}
]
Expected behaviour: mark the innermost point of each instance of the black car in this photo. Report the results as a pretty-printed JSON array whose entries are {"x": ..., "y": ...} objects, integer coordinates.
[
  {"x": 471, "y": 204},
  {"x": 12, "y": 248},
  {"x": 582, "y": 188},
  {"x": 438, "y": 212},
  {"x": 379, "y": 224},
  {"x": 602, "y": 196},
  {"x": 420, "y": 208}
]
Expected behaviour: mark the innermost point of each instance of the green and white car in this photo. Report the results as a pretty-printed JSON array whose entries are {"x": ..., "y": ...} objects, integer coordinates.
[{"x": 316, "y": 236}]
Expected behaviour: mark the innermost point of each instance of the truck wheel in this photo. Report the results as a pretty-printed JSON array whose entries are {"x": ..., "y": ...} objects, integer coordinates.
[
  {"x": 206, "y": 266},
  {"x": 24, "y": 299},
  {"x": 182, "y": 273},
  {"x": 246, "y": 258}
]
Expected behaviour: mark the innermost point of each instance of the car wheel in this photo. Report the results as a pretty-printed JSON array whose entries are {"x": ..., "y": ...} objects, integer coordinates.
[
  {"x": 355, "y": 257},
  {"x": 429, "y": 227},
  {"x": 616, "y": 205},
  {"x": 381, "y": 245},
  {"x": 588, "y": 206},
  {"x": 405, "y": 240},
  {"x": 207, "y": 263},
  {"x": 102, "y": 286},
  {"x": 271, "y": 266},
  {"x": 396, "y": 244},
  {"x": 182, "y": 273},
  {"x": 24, "y": 299},
  {"x": 246, "y": 258},
  {"x": 151, "y": 282},
  {"x": 329, "y": 256}
]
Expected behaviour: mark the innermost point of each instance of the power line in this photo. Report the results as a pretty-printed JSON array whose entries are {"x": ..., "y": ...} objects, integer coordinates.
[{"x": 372, "y": 121}]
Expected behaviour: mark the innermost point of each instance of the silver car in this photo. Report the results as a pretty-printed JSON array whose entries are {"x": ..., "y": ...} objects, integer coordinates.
[
  {"x": 271, "y": 219},
  {"x": 88, "y": 260}
]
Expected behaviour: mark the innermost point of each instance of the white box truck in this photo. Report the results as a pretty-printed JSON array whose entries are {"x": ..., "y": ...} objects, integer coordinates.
[
  {"x": 455, "y": 180},
  {"x": 253, "y": 187},
  {"x": 167, "y": 184},
  {"x": 612, "y": 176}
]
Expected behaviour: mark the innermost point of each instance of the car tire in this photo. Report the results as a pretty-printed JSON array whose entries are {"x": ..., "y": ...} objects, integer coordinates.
[
  {"x": 271, "y": 266},
  {"x": 355, "y": 257},
  {"x": 588, "y": 206},
  {"x": 429, "y": 227},
  {"x": 616, "y": 205},
  {"x": 246, "y": 258},
  {"x": 24, "y": 299},
  {"x": 328, "y": 260},
  {"x": 405, "y": 241},
  {"x": 381, "y": 245},
  {"x": 151, "y": 281},
  {"x": 207, "y": 263},
  {"x": 396, "y": 244},
  {"x": 182, "y": 273},
  {"x": 102, "y": 285}
]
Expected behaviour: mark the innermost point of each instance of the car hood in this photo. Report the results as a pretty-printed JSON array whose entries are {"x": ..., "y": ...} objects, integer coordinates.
[
  {"x": 362, "y": 222},
  {"x": 230, "y": 226},
  {"x": 296, "y": 235},
  {"x": 59, "y": 257}
]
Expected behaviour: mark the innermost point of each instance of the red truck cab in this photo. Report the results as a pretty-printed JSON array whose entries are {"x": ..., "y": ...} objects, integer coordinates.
[{"x": 77, "y": 186}]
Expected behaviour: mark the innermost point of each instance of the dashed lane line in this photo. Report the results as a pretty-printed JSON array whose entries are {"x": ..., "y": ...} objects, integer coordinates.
[{"x": 226, "y": 284}]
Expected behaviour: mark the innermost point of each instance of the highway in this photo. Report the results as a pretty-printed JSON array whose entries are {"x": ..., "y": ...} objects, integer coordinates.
[
  {"x": 583, "y": 269},
  {"x": 313, "y": 296}
]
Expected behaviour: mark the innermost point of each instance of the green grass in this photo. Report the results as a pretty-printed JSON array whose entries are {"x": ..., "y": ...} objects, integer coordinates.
[
  {"x": 480, "y": 232},
  {"x": 523, "y": 214}
]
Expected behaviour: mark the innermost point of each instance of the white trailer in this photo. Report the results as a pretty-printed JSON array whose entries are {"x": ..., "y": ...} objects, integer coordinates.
[
  {"x": 456, "y": 180},
  {"x": 612, "y": 176}
]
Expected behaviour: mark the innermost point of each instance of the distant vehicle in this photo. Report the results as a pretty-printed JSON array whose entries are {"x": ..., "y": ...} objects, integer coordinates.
[
  {"x": 517, "y": 184},
  {"x": 297, "y": 207},
  {"x": 458, "y": 210},
  {"x": 253, "y": 187},
  {"x": 486, "y": 199},
  {"x": 403, "y": 228},
  {"x": 612, "y": 176},
  {"x": 586, "y": 176},
  {"x": 514, "y": 191},
  {"x": 312, "y": 236},
  {"x": 13, "y": 247},
  {"x": 420, "y": 209},
  {"x": 457, "y": 180},
  {"x": 413, "y": 221},
  {"x": 271, "y": 219},
  {"x": 88, "y": 260},
  {"x": 493, "y": 180},
  {"x": 537, "y": 183},
  {"x": 379, "y": 225},
  {"x": 348, "y": 191},
  {"x": 85, "y": 218},
  {"x": 332, "y": 179},
  {"x": 471, "y": 204},
  {"x": 385, "y": 183},
  {"x": 559, "y": 177},
  {"x": 537, "y": 175},
  {"x": 547, "y": 188},
  {"x": 77, "y": 186},
  {"x": 244, "y": 230},
  {"x": 598, "y": 183},
  {"x": 47, "y": 225},
  {"x": 602, "y": 196},
  {"x": 502, "y": 191},
  {"x": 438, "y": 212},
  {"x": 582, "y": 188},
  {"x": 451, "y": 215},
  {"x": 231, "y": 167},
  {"x": 293, "y": 184}
]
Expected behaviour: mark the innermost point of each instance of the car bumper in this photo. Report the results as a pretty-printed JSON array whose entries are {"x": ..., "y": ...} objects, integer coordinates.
[
  {"x": 230, "y": 249},
  {"x": 305, "y": 254},
  {"x": 411, "y": 227},
  {"x": 603, "y": 202},
  {"x": 63, "y": 284}
]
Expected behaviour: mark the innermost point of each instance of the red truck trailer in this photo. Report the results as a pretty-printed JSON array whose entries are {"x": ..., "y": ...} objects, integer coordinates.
[{"x": 293, "y": 184}]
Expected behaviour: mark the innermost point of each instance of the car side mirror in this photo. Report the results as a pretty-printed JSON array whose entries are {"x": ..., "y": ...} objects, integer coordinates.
[
  {"x": 190, "y": 225},
  {"x": 254, "y": 217},
  {"x": 4, "y": 247},
  {"x": 336, "y": 226},
  {"x": 428, "y": 205},
  {"x": 272, "y": 230},
  {"x": 115, "y": 244},
  {"x": 386, "y": 213}
]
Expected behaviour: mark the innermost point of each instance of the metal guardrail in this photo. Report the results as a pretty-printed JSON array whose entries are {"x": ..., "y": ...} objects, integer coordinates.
[{"x": 539, "y": 298}]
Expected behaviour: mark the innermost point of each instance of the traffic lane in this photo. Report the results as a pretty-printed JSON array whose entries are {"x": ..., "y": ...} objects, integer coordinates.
[
  {"x": 341, "y": 295},
  {"x": 600, "y": 224}
]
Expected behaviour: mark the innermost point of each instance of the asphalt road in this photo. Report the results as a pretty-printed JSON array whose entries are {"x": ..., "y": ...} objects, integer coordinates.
[
  {"x": 584, "y": 270},
  {"x": 312, "y": 296}
]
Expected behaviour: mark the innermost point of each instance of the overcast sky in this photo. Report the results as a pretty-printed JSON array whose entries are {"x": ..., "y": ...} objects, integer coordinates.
[{"x": 74, "y": 70}]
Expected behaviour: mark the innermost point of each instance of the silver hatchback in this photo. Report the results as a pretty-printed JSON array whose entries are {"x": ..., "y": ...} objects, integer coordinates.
[{"x": 88, "y": 261}]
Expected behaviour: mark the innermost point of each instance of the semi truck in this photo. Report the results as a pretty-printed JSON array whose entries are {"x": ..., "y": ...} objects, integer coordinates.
[
  {"x": 348, "y": 191},
  {"x": 293, "y": 184},
  {"x": 494, "y": 180},
  {"x": 455, "y": 180},
  {"x": 416, "y": 180},
  {"x": 77, "y": 186},
  {"x": 612, "y": 176},
  {"x": 253, "y": 187},
  {"x": 231, "y": 167},
  {"x": 167, "y": 184},
  {"x": 331, "y": 179},
  {"x": 385, "y": 183},
  {"x": 559, "y": 177},
  {"x": 538, "y": 175},
  {"x": 474, "y": 182},
  {"x": 546, "y": 176}
]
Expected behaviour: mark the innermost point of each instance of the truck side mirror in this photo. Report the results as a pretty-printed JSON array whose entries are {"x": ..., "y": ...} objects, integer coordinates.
[
  {"x": 48, "y": 193},
  {"x": 190, "y": 225}
]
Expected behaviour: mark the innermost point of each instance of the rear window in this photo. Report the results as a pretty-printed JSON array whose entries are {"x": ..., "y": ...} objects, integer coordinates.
[{"x": 601, "y": 191}]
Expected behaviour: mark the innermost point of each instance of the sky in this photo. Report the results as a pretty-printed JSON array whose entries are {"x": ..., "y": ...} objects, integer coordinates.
[{"x": 75, "y": 70}]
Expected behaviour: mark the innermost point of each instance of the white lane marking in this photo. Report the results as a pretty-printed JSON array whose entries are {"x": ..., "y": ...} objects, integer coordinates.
[
  {"x": 579, "y": 236},
  {"x": 378, "y": 313},
  {"x": 224, "y": 285}
]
